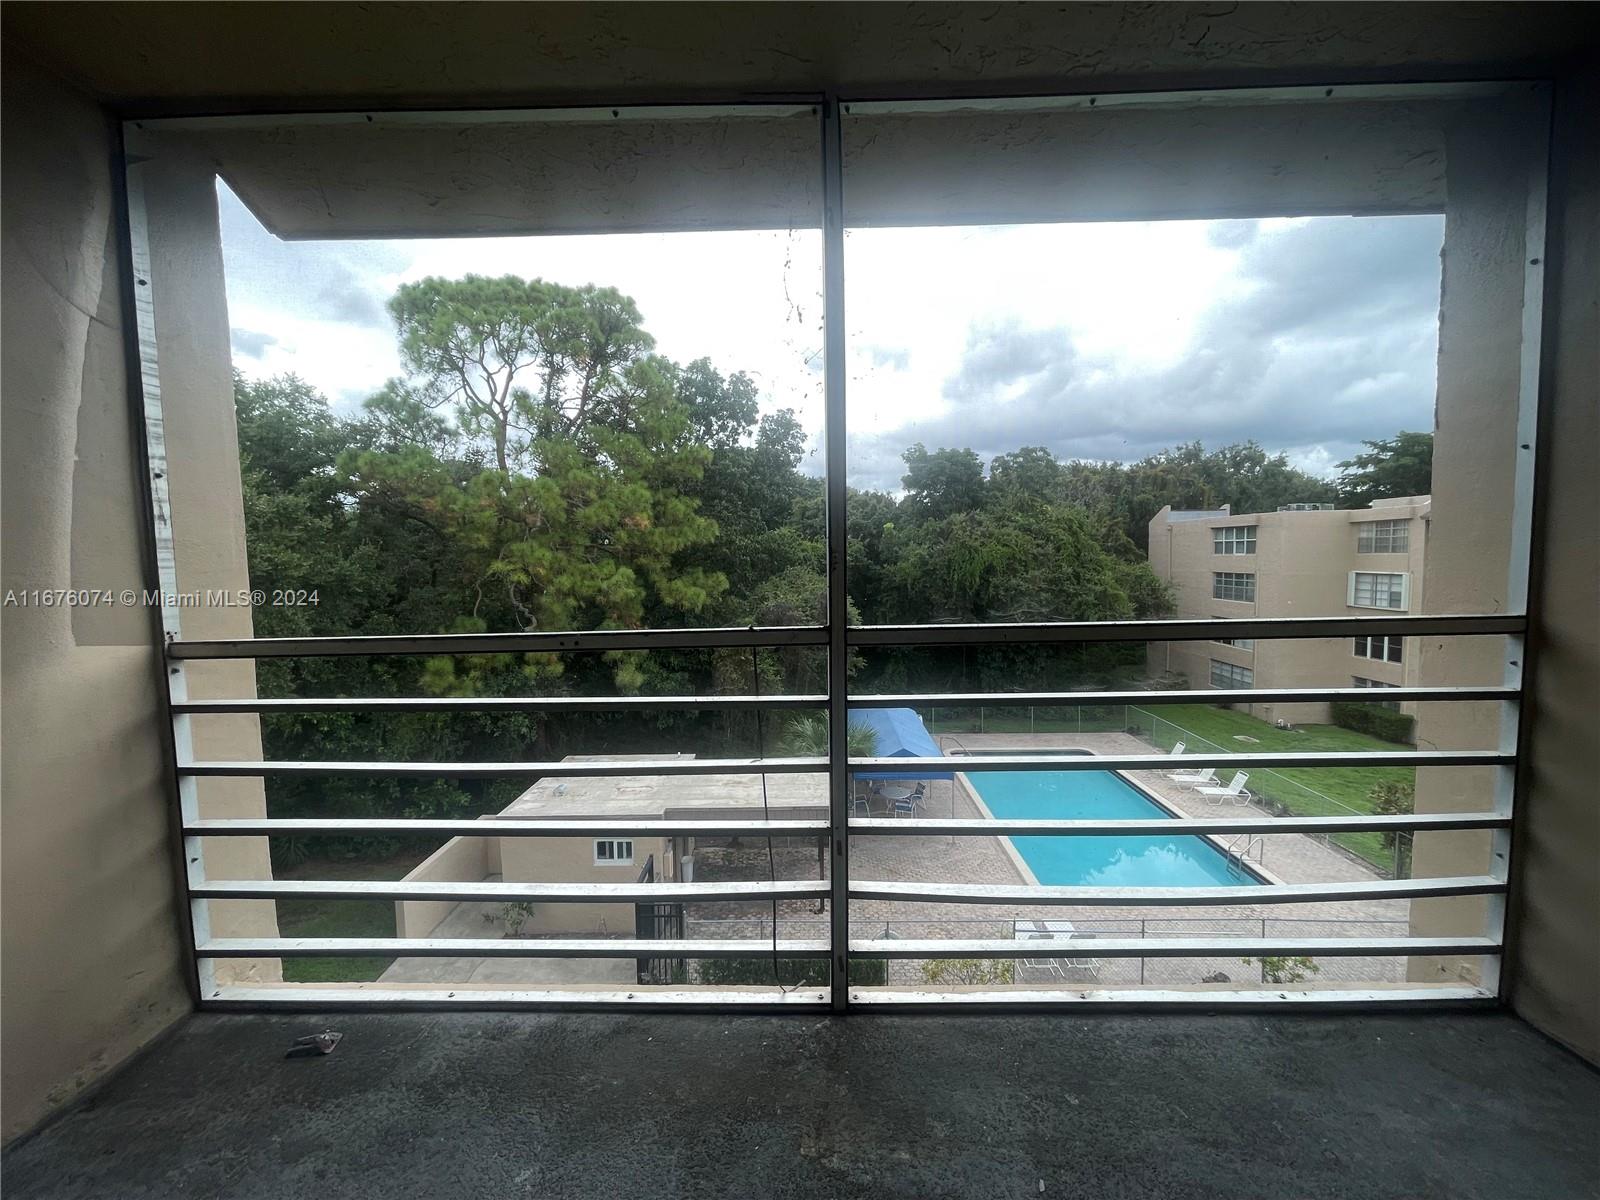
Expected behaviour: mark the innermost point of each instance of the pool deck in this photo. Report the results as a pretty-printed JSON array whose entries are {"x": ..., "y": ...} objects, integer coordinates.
[{"x": 1294, "y": 858}]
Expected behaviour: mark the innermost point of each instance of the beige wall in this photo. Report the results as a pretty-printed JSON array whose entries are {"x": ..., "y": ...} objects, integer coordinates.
[
  {"x": 571, "y": 860},
  {"x": 1302, "y": 566},
  {"x": 1554, "y": 968},
  {"x": 1469, "y": 547},
  {"x": 93, "y": 968},
  {"x": 460, "y": 860}
]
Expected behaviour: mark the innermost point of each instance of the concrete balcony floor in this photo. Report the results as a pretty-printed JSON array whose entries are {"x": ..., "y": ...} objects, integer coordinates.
[{"x": 592, "y": 1105}]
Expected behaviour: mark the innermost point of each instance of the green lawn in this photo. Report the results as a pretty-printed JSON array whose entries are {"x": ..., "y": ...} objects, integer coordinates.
[
  {"x": 338, "y": 918},
  {"x": 1305, "y": 791}
]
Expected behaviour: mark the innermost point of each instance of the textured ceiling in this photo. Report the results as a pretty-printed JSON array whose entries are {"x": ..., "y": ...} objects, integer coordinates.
[{"x": 264, "y": 55}]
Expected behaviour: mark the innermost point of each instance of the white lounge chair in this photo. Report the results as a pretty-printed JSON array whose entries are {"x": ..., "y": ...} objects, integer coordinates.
[
  {"x": 1195, "y": 778},
  {"x": 1234, "y": 792},
  {"x": 1177, "y": 748},
  {"x": 1050, "y": 931}
]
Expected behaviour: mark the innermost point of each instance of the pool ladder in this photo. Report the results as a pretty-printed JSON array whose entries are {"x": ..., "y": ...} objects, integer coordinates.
[{"x": 1247, "y": 846}]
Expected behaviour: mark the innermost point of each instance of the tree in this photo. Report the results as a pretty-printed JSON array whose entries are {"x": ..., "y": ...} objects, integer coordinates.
[
  {"x": 568, "y": 489},
  {"x": 941, "y": 483},
  {"x": 1391, "y": 467},
  {"x": 1242, "y": 475}
]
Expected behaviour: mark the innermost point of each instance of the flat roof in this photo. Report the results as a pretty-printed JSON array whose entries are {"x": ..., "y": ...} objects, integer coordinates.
[{"x": 662, "y": 795}]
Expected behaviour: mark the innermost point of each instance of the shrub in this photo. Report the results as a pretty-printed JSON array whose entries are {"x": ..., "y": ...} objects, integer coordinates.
[
  {"x": 1283, "y": 969},
  {"x": 972, "y": 972},
  {"x": 792, "y": 972},
  {"x": 1393, "y": 799},
  {"x": 1373, "y": 719}
]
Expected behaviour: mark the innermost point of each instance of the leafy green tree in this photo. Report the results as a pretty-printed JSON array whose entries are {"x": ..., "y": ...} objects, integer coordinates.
[
  {"x": 1391, "y": 467},
  {"x": 1124, "y": 497},
  {"x": 568, "y": 492},
  {"x": 941, "y": 483}
]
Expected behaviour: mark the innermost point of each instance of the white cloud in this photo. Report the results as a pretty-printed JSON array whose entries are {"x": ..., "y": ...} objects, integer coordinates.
[{"x": 1105, "y": 340}]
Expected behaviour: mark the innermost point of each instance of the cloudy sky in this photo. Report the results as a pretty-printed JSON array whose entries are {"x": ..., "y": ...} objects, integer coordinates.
[{"x": 1104, "y": 341}]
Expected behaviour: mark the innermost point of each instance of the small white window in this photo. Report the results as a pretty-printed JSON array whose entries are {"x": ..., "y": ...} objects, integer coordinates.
[
  {"x": 1236, "y": 643},
  {"x": 1378, "y": 589},
  {"x": 1384, "y": 647},
  {"x": 1234, "y": 539},
  {"x": 610, "y": 852},
  {"x": 1383, "y": 537},
  {"x": 1233, "y": 585},
  {"x": 1226, "y": 675}
]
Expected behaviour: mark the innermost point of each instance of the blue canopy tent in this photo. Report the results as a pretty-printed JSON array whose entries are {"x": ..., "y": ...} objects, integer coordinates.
[{"x": 901, "y": 734}]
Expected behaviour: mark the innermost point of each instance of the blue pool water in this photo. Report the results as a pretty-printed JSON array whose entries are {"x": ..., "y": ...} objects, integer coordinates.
[{"x": 1179, "y": 860}]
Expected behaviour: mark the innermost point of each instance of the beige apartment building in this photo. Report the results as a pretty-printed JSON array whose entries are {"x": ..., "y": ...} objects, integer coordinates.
[{"x": 1296, "y": 562}]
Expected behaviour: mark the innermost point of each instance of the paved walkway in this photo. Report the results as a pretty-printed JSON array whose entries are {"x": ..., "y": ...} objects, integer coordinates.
[{"x": 1293, "y": 858}]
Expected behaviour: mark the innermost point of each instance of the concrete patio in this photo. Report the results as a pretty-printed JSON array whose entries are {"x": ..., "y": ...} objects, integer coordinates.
[{"x": 1438, "y": 1107}]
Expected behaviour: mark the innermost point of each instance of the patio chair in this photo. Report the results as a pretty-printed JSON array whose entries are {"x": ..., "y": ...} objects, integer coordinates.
[
  {"x": 1235, "y": 792},
  {"x": 1031, "y": 931},
  {"x": 1177, "y": 748},
  {"x": 1200, "y": 777},
  {"x": 907, "y": 806}
]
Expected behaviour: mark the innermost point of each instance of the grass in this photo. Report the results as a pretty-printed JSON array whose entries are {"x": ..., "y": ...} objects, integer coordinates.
[
  {"x": 339, "y": 918},
  {"x": 1304, "y": 791}
]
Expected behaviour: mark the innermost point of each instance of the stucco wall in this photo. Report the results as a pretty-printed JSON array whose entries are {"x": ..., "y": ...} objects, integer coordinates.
[
  {"x": 93, "y": 967},
  {"x": 1554, "y": 967}
]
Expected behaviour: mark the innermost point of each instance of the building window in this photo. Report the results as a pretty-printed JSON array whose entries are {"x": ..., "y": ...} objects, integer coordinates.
[
  {"x": 1236, "y": 643},
  {"x": 1393, "y": 705},
  {"x": 611, "y": 852},
  {"x": 1383, "y": 537},
  {"x": 1233, "y": 585},
  {"x": 1377, "y": 589},
  {"x": 1234, "y": 539},
  {"x": 1383, "y": 647},
  {"x": 1226, "y": 675}
]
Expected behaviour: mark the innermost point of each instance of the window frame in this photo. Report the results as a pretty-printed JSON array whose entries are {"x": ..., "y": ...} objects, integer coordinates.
[
  {"x": 1224, "y": 581},
  {"x": 834, "y": 633},
  {"x": 1391, "y": 645},
  {"x": 1394, "y": 530},
  {"x": 615, "y": 859},
  {"x": 1232, "y": 541},
  {"x": 1352, "y": 596},
  {"x": 1242, "y": 679}
]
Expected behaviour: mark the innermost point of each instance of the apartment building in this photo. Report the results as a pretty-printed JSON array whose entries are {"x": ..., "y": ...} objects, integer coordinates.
[{"x": 1297, "y": 562}]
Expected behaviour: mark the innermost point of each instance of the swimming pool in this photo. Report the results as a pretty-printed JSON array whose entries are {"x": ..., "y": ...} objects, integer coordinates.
[{"x": 1176, "y": 860}]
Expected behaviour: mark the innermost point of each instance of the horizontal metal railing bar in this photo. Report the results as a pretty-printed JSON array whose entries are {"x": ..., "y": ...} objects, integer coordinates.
[
  {"x": 502, "y": 643},
  {"x": 1244, "y": 760},
  {"x": 388, "y": 997},
  {"x": 1282, "y": 893},
  {"x": 1211, "y": 696},
  {"x": 1158, "y": 999},
  {"x": 507, "y": 948},
  {"x": 1199, "y": 946},
  {"x": 591, "y": 893},
  {"x": 1155, "y": 826},
  {"x": 498, "y": 827},
  {"x": 607, "y": 768},
  {"x": 572, "y": 704},
  {"x": 1182, "y": 631}
]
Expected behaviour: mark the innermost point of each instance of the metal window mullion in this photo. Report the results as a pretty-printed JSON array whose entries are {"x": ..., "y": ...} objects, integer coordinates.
[
  {"x": 1185, "y": 630},
  {"x": 1524, "y": 550},
  {"x": 575, "y": 704},
  {"x": 838, "y": 616},
  {"x": 158, "y": 511},
  {"x": 554, "y": 642},
  {"x": 610, "y": 769}
]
